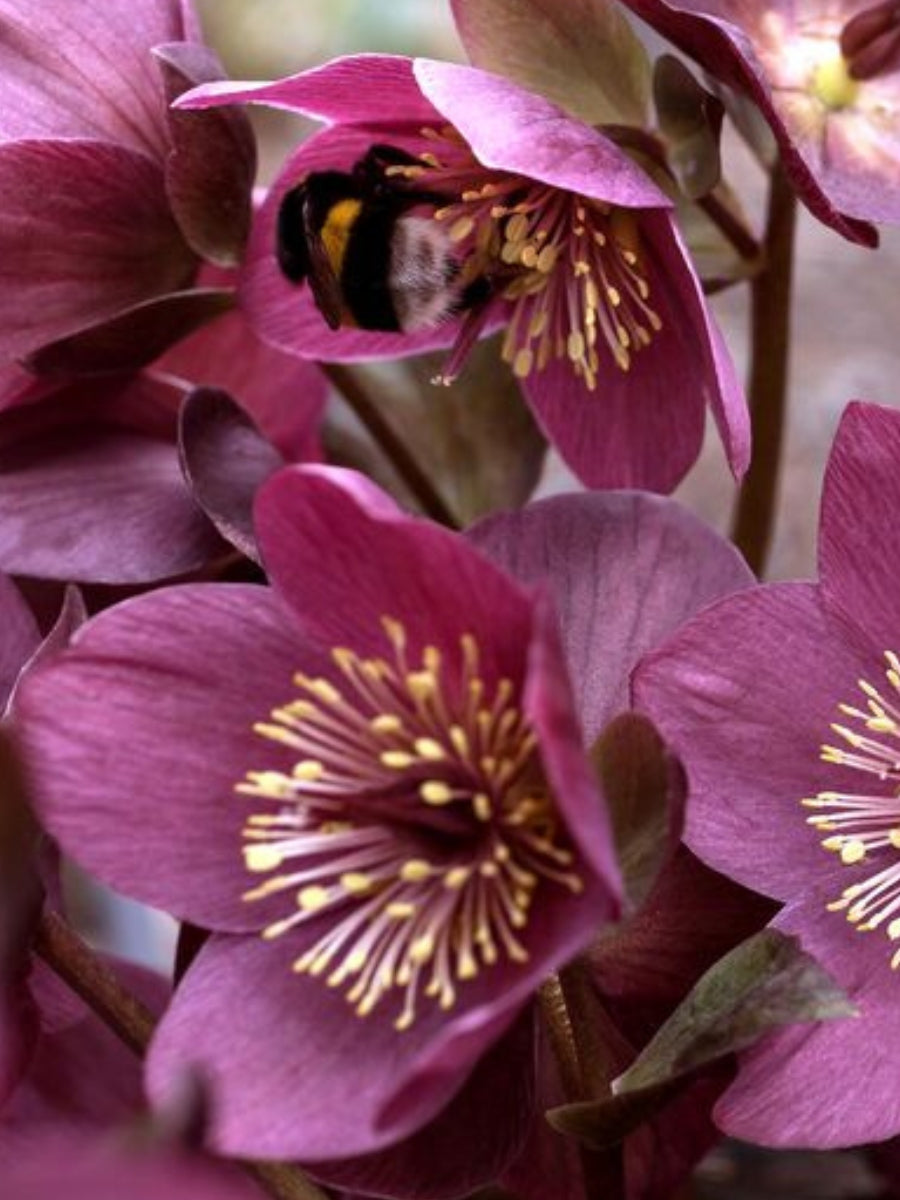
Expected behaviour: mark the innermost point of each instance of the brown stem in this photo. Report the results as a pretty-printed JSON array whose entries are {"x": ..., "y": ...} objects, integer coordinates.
[
  {"x": 574, "y": 1019},
  {"x": 728, "y": 224},
  {"x": 90, "y": 978},
  {"x": 394, "y": 448},
  {"x": 767, "y": 386},
  {"x": 70, "y": 957}
]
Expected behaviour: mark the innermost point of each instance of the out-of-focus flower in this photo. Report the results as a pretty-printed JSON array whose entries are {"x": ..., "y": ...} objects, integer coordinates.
[
  {"x": 110, "y": 199},
  {"x": 782, "y": 703},
  {"x": 824, "y": 74},
  {"x": 424, "y": 832},
  {"x": 571, "y": 244},
  {"x": 91, "y": 487},
  {"x": 97, "y": 1170}
]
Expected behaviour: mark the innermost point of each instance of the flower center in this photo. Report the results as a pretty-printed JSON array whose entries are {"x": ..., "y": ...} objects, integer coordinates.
[
  {"x": 832, "y": 84},
  {"x": 415, "y": 824},
  {"x": 864, "y": 827},
  {"x": 571, "y": 268}
]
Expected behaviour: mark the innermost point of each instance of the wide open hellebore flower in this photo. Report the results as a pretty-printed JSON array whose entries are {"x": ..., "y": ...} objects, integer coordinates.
[
  {"x": 323, "y": 544},
  {"x": 825, "y": 74},
  {"x": 782, "y": 703},
  {"x": 571, "y": 245},
  {"x": 388, "y": 734},
  {"x": 111, "y": 200}
]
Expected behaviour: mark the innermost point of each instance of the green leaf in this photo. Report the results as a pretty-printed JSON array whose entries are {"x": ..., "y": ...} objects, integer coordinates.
[
  {"x": 582, "y": 54},
  {"x": 763, "y": 984},
  {"x": 766, "y": 982}
]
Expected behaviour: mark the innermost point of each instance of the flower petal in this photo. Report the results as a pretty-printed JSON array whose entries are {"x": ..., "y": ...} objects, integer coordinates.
[
  {"x": 70, "y": 71},
  {"x": 76, "y": 454},
  {"x": 859, "y": 541},
  {"x": 20, "y": 640},
  {"x": 360, "y": 89},
  {"x": 834, "y": 1083},
  {"x": 514, "y": 130},
  {"x": 468, "y": 1144},
  {"x": 226, "y": 460},
  {"x": 132, "y": 338},
  {"x": 745, "y": 695},
  {"x": 624, "y": 572},
  {"x": 284, "y": 395},
  {"x": 86, "y": 232},
  {"x": 319, "y": 538},
  {"x": 212, "y": 164},
  {"x": 279, "y": 1093},
  {"x": 136, "y": 780}
]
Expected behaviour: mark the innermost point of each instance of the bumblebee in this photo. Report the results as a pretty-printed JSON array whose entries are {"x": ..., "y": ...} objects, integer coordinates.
[{"x": 369, "y": 260}]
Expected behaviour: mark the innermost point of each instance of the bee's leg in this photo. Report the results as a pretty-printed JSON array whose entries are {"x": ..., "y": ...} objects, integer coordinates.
[{"x": 291, "y": 244}]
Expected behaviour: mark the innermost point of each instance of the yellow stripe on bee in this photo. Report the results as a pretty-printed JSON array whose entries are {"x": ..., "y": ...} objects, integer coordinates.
[{"x": 335, "y": 233}]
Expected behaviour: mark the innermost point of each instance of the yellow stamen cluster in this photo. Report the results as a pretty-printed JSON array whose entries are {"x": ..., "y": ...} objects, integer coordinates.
[
  {"x": 861, "y": 827},
  {"x": 415, "y": 817},
  {"x": 572, "y": 268}
]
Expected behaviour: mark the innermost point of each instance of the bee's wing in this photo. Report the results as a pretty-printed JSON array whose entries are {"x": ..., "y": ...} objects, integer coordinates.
[{"x": 323, "y": 282}]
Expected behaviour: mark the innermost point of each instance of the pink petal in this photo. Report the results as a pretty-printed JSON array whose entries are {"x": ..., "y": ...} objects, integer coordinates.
[
  {"x": 86, "y": 232},
  {"x": 859, "y": 540},
  {"x": 514, "y": 130},
  {"x": 362, "y": 89},
  {"x": 136, "y": 781},
  {"x": 725, "y": 673},
  {"x": 624, "y": 572},
  {"x": 75, "y": 72}
]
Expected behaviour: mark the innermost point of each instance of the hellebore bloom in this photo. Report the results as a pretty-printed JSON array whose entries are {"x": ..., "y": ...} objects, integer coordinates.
[
  {"x": 782, "y": 703},
  {"x": 400, "y": 812},
  {"x": 548, "y": 227},
  {"x": 422, "y": 837},
  {"x": 91, "y": 487},
  {"x": 825, "y": 77},
  {"x": 111, "y": 200}
]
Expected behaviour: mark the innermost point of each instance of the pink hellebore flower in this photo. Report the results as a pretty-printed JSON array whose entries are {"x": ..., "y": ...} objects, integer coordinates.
[
  {"x": 825, "y": 74},
  {"x": 423, "y": 841},
  {"x": 562, "y": 238},
  {"x": 783, "y": 703},
  {"x": 111, "y": 200},
  {"x": 388, "y": 734}
]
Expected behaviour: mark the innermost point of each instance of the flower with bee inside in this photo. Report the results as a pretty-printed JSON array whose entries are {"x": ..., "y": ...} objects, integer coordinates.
[{"x": 539, "y": 224}]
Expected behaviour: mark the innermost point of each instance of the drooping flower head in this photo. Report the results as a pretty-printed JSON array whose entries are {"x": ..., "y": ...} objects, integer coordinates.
[
  {"x": 824, "y": 74},
  {"x": 546, "y": 227},
  {"x": 782, "y": 701}
]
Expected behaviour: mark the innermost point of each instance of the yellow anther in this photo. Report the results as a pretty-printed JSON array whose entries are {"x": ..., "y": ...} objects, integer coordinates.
[
  {"x": 457, "y": 877},
  {"x": 262, "y": 858},
  {"x": 430, "y": 749},
  {"x": 415, "y": 870},
  {"x": 357, "y": 883},
  {"x": 312, "y": 898},
  {"x": 308, "y": 769},
  {"x": 397, "y": 760},
  {"x": 400, "y": 910},
  {"x": 435, "y": 791},
  {"x": 386, "y": 723}
]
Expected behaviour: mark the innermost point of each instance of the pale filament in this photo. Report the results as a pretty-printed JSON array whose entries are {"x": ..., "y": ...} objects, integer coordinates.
[
  {"x": 859, "y": 826},
  {"x": 571, "y": 268},
  {"x": 415, "y": 816}
]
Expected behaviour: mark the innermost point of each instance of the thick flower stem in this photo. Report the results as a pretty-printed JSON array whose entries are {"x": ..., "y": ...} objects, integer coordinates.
[
  {"x": 69, "y": 957},
  {"x": 767, "y": 387},
  {"x": 394, "y": 449}
]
